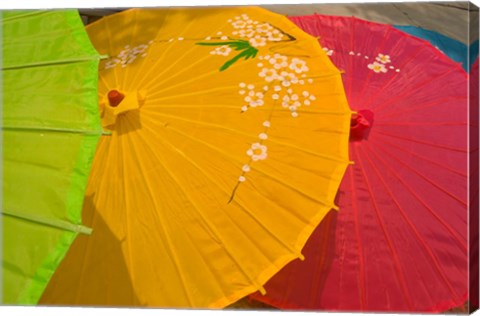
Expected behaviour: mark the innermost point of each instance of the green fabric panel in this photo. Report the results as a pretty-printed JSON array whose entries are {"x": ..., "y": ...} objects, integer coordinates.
[
  {"x": 50, "y": 129},
  {"x": 44, "y": 37},
  {"x": 43, "y": 248},
  {"x": 60, "y": 101},
  {"x": 39, "y": 170}
]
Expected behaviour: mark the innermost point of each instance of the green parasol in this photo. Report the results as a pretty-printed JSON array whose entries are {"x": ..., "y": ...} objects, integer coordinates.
[{"x": 50, "y": 131}]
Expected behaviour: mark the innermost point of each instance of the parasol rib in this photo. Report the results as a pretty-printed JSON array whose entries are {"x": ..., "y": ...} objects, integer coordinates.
[
  {"x": 52, "y": 129},
  {"x": 407, "y": 108},
  {"x": 420, "y": 141},
  {"x": 53, "y": 63},
  {"x": 419, "y": 123},
  {"x": 361, "y": 256},
  {"x": 49, "y": 222}
]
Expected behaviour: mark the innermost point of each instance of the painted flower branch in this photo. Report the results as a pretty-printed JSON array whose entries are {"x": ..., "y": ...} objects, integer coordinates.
[
  {"x": 246, "y": 37},
  {"x": 283, "y": 78},
  {"x": 247, "y": 50}
]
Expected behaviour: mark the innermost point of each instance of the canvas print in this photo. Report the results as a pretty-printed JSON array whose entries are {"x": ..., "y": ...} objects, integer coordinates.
[{"x": 312, "y": 157}]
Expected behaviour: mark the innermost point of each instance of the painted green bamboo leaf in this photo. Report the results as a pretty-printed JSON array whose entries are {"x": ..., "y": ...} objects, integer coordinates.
[
  {"x": 239, "y": 45},
  {"x": 246, "y": 54}
]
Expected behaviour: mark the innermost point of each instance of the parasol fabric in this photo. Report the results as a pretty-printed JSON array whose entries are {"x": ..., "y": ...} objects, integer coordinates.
[
  {"x": 400, "y": 241},
  {"x": 229, "y": 140},
  {"x": 50, "y": 130},
  {"x": 454, "y": 49}
]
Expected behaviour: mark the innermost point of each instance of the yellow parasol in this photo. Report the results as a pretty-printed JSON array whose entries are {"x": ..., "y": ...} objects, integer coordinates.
[{"x": 229, "y": 140}]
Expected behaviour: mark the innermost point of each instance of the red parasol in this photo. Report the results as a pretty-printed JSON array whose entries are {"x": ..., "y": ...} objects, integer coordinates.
[{"x": 400, "y": 241}]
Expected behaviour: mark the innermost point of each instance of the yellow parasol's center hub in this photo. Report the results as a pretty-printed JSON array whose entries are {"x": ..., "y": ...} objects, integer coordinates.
[
  {"x": 117, "y": 102},
  {"x": 115, "y": 97}
]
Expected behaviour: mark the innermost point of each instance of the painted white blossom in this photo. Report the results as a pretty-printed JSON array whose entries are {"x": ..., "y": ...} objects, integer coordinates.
[
  {"x": 248, "y": 33},
  {"x": 328, "y": 51},
  {"x": 298, "y": 65},
  {"x": 278, "y": 61},
  {"x": 263, "y": 136},
  {"x": 269, "y": 74},
  {"x": 246, "y": 168},
  {"x": 384, "y": 59},
  {"x": 257, "y": 152},
  {"x": 275, "y": 36},
  {"x": 239, "y": 24},
  {"x": 377, "y": 67},
  {"x": 288, "y": 78},
  {"x": 290, "y": 101},
  {"x": 128, "y": 55},
  {"x": 139, "y": 49},
  {"x": 112, "y": 63},
  {"x": 254, "y": 99},
  {"x": 222, "y": 50},
  {"x": 308, "y": 98},
  {"x": 264, "y": 28},
  {"x": 258, "y": 41}
]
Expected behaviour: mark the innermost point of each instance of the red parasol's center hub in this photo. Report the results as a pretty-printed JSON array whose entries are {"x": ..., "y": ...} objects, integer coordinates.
[
  {"x": 115, "y": 97},
  {"x": 360, "y": 125}
]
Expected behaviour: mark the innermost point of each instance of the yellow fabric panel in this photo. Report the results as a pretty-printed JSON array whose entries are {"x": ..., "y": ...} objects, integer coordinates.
[{"x": 177, "y": 221}]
